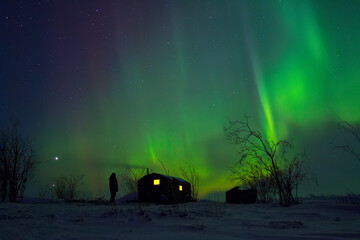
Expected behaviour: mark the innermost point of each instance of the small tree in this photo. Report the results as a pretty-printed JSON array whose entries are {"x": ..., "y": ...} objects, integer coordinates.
[
  {"x": 130, "y": 178},
  {"x": 354, "y": 130},
  {"x": 276, "y": 159},
  {"x": 18, "y": 161},
  {"x": 191, "y": 175},
  {"x": 4, "y": 165},
  {"x": 67, "y": 187},
  {"x": 165, "y": 169},
  {"x": 252, "y": 175},
  {"x": 293, "y": 174}
]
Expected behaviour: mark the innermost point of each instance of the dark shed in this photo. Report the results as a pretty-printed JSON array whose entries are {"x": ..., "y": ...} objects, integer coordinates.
[
  {"x": 236, "y": 195},
  {"x": 158, "y": 188}
]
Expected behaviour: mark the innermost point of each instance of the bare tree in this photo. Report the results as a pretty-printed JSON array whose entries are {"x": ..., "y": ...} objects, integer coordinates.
[
  {"x": 275, "y": 159},
  {"x": 192, "y": 176},
  {"x": 4, "y": 165},
  {"x": 130, "y": 178},
  {"x": 59, "y": 188},
  {"x": 294, "y": 173},
  {"x": 354, "y": 130},
  {"x": 18, "y": 161},
  {"x": 166, "y": 170},
  {"x": 67, "y": 187},
  {"x": 251, "y": 174}
]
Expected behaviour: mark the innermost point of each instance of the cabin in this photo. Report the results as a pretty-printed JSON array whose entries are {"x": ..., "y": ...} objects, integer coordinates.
[
  {"x": 237, "y": 195},
  {"x": 159, "y": 188}
]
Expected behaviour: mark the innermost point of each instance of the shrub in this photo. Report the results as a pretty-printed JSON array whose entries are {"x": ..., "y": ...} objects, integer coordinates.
[{"x": 67, "y": 187}]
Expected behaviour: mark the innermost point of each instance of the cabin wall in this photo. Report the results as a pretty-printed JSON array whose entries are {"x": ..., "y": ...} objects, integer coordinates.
[{"x": 148, "y": 192}]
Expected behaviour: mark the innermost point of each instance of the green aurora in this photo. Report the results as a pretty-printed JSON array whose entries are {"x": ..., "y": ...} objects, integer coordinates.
[{"x": 172, "y": 73}]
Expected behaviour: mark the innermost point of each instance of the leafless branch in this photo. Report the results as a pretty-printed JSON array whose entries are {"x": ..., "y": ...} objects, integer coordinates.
[
  {"x": 266, "y": 164},
  {"x": 190, "y": 174},
  {"x": 130, "y": 177},
  {"x": 18, "y": 161},
  {"x": 354, "y": 130}
]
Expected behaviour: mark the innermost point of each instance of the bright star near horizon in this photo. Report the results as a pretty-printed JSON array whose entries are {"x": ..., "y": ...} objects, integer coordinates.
[{"x": 56, "y": 158}]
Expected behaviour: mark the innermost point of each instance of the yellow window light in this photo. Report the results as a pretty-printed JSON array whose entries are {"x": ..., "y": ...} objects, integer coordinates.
[
  {"x": 156, "y": 181},
  {"x": 180, "y": 187}
]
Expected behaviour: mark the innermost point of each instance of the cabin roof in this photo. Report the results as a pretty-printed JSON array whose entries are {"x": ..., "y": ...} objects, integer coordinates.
[{"x": 168, "y": 177}]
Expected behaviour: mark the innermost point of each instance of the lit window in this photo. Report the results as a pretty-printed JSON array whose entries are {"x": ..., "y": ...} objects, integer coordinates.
[
  {"x": 156, "y": 181},
  {"x": 180, "y": 187}
]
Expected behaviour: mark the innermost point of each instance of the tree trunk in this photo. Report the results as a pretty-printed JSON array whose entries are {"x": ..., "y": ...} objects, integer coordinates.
[{"x": 4, "y": 188}]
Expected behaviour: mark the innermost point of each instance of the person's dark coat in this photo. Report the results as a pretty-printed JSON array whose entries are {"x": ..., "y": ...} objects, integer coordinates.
[{"x": 113, "y": 184}]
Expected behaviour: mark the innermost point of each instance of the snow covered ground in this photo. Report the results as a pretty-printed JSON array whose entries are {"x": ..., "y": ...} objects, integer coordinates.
[{"x": 317, "y": 218}]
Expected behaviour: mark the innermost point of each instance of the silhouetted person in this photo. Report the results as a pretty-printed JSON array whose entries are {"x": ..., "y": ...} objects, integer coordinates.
[{"x": 113, "y": 187}]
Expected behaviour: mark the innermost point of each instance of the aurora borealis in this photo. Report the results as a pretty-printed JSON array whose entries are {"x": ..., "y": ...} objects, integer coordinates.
[{"x": 106, "y": 85}]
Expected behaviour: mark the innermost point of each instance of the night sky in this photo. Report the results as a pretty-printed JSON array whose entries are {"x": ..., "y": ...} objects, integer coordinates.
[{"x": 105, "y": 85}]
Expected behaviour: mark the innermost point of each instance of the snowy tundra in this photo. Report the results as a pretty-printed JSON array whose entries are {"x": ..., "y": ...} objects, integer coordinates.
[{"x": 316, "y": 218}]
